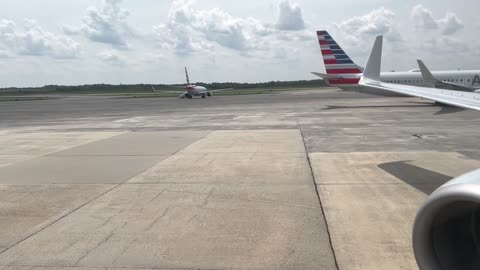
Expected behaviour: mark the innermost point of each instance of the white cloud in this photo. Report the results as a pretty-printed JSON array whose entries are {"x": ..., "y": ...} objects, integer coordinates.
[
  {"x": 34, "y": 41},
  {"x": 377, "y": 22},
  {"x": 179, "y": 38},
  {"x": 357, "y": 33},
  {"x": 191, "y": 30},
  {"x": 446, "y": 45},
  {"x": 450, "y": 24},
  {"x": 423, "y": 18},
  {"x": 424, "y": 21},
  {"x": 111, "y": 56},
  {"x": 188, "y": 30},
  {"x": 107, "y": 24},
  {"x": 290, "y": 17}
]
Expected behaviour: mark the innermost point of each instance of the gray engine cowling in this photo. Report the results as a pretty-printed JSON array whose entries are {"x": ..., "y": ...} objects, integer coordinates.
[{"x": 446, "y": 233}]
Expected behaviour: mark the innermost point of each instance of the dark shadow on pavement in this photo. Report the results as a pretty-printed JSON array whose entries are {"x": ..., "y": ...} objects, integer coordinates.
[
  {"x": 333, "y": 107},
  {"x": 422, "y": 179},
  {"x": 449, "y": 110}
]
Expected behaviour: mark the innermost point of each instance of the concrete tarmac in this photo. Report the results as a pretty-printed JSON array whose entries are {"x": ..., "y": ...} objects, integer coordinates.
[{"x": 319, "y": 179}]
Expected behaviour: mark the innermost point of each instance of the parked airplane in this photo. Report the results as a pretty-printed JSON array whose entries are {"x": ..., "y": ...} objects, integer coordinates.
[
  {"x": 192, "y": 90},
  {"x": 446, "y": 231},
  {"x": 342, "y": 72}
]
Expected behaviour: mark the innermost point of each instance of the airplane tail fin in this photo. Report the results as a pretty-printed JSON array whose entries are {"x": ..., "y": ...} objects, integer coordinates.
[
  {"x": 335, "y": 59},
  {"x": 186, "y": 75}
]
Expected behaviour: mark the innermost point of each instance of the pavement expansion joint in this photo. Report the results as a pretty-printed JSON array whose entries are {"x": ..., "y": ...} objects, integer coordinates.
[
  {"x": 81, "y": 206},
  {"x": 58, "y": 219},
  {"x": 320, "y": 202}
]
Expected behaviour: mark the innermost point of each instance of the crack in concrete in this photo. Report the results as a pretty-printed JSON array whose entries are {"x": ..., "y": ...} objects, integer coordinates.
[
  {"x": 150, "y": 226},
  {"x": 154, "y": 198},
  {"x": 208, "y": 197},
  {"x": 124, "y": 250},
  {"x": 103, "y": 241}
]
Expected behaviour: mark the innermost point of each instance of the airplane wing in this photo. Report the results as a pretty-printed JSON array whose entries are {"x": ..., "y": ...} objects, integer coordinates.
[
  {"x": 168, "y": 91},
  {"x": 371, "y": 79},
  {"x": 431, "y": 81},
  {"x": 220, "y": 90}
]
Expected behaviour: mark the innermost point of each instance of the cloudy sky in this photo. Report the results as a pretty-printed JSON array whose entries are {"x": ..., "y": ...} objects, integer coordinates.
[{"x": 150, "y": 41}]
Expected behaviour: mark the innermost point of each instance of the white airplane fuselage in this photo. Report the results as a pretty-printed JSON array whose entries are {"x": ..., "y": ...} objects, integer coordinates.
[
  {"x": 467, "y": 78},
  {"x": 196, "y": 91}
]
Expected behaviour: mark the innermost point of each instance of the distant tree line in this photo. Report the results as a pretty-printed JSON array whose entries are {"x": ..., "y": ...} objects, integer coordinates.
[
  {"x": 139, "y": 88},
  {"x": 272, "y": 84}
]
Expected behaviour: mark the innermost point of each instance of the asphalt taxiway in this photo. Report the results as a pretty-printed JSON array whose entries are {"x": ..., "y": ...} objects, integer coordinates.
[{"x": 319, "y": 179}]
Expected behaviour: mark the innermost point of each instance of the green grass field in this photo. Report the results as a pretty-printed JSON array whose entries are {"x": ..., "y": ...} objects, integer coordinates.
[{"x": 22, "y": 98}]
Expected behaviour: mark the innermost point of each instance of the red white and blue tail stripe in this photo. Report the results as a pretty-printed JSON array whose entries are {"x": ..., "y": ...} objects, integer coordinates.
[{"x": 341, "y": 69}]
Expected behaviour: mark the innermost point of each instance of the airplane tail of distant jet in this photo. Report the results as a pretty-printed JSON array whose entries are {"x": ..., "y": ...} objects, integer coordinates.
[
  {"x": 340, "y": 68},
  {"x": 186, "y": 75}
]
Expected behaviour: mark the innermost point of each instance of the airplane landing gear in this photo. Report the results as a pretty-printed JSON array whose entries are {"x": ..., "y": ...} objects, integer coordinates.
[
  {"x": 188, "y": 96},
  {"x": 203, "y": 95}
]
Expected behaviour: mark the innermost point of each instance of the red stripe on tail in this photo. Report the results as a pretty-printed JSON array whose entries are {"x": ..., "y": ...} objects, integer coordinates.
[
  {"x": 330, "y": 61},
  {"x": 344, "y": 71},
  {"x": 344, "y": 81}
]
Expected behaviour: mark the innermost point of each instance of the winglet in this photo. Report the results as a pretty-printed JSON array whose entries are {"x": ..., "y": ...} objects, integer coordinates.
[
  {"x": 426, "y": 74},
  {"x": 372, "y": 71}
]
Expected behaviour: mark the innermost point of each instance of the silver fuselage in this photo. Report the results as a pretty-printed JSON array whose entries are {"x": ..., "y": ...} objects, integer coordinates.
[{"x": 467, "y": 78}]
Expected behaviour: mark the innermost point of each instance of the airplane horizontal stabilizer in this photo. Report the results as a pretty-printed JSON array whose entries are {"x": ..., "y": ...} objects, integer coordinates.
[{"x": 327, "y": 76}]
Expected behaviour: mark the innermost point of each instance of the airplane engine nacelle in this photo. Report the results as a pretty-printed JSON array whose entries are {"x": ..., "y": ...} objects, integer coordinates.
[{"x": 446, "y": 233}]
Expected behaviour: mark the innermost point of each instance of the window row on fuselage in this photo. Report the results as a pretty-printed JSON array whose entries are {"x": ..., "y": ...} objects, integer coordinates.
[{"x": 458, "y": 81}]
